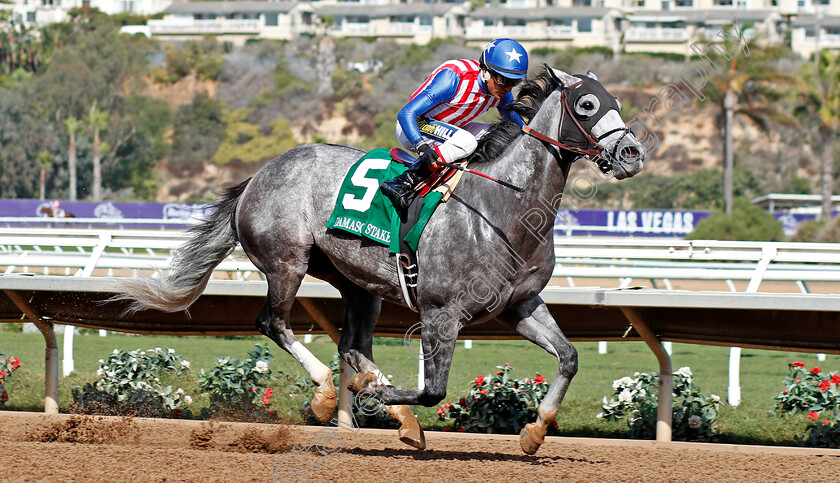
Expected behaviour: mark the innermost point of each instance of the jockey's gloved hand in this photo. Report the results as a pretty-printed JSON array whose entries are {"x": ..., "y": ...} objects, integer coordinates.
[{"x": 428, "y": 156}]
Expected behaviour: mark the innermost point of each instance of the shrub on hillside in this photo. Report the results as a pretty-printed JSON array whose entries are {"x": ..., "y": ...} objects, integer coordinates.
[{"x": 748, "y": 222}]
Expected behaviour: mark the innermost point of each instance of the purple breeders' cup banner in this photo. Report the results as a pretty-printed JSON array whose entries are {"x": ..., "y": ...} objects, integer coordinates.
[
  {"x": 665, "y": 223},
  {"x": 188, "y": 213}
]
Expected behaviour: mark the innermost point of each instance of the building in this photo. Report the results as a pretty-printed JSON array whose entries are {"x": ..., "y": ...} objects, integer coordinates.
[{"x": 658, "y": 26}]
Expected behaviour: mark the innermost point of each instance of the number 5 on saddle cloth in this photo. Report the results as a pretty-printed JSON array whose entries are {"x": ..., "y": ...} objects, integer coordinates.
[{"x": 363, "y": 210}]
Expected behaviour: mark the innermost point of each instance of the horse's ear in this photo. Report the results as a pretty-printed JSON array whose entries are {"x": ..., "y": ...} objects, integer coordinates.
[
  {"x": 560, "y": 76},
  {"x": 591, "y": 75}
]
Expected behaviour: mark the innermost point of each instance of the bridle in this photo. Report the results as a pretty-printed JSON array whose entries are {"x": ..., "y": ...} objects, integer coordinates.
[{"x": 594, "y": 148}]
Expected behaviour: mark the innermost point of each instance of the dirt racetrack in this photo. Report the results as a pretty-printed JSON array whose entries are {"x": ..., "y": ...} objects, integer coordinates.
[{"x": 38, "y": 447}]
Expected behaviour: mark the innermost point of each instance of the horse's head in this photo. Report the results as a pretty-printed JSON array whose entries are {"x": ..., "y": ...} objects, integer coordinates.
[{"x": 591, "y": 124}]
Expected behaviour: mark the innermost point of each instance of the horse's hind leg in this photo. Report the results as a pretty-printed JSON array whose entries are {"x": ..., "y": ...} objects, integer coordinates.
[
  {"x": 533, "y": 321},
  {"x": 273, "y": 322},
  {"x": 361, "y": 311}
]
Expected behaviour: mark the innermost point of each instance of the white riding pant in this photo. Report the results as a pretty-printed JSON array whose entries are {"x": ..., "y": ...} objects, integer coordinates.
[{"x": 452, "y": 142}]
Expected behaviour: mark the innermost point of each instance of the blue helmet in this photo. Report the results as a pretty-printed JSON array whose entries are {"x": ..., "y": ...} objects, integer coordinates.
[{"x": 505, "y": 57}]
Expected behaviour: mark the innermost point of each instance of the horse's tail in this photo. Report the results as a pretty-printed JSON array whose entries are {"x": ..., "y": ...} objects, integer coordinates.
[{"x": 210, "y": 242}]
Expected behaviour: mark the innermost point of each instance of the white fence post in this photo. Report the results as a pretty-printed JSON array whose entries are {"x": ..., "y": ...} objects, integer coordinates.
[
  {"x": 602, "y": 347},
  {"x": 734, "y": 376}
]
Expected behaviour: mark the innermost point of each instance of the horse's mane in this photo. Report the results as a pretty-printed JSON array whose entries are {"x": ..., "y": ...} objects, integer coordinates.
[{"x": 532, "y": 93}]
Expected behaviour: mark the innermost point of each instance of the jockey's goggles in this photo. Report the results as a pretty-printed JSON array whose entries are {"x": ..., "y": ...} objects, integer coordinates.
[{"x": 504, "y": 81}]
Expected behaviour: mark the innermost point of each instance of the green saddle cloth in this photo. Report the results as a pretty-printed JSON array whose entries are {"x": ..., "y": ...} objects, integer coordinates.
[{"x": 363, "y": 210}]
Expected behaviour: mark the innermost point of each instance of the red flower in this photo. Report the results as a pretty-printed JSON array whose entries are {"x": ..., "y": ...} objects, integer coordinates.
[
  {"x": 539, "y": 380},
  {"x": 15, "y": 362},
  {"x": 177, "y": 414},
  {"x": 797, "y": 380},
  {"x": 3, "y": 374},
  {"x": 507, "y": 363},
  {"x": 835, "y": 379},
  {"x": 267, "y": 397},
  {"x": 784, "y": 391},
  {"x": 798, "y": 364},
  {"x": 815, "y": 370},
  {"x": 485, "y": 391},
  {"x": 497, "y": 384},
  {"x": 554, "y": 424},
  {"x": 460, "y": 429},
  {"x": 447, "y": 428},
  {"x": 824, "y": 385},
  {"x": 825, "y": 422},
  {"x": 499, "y": 373},
  {"x": 441, "y": 412},
  {"x": 448, "y": 405},
  {"x": 463, "y": 401},
  {"x": 813, "y": 415},
  {"x": 4, "y": 396},
  {"x": 479, "y": 380}
]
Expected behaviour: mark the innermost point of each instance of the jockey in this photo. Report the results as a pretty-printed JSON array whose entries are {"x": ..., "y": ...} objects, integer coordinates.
[{"x": 438, "y": 122}]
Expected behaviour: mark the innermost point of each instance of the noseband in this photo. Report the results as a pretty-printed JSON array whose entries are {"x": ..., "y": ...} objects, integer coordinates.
[{"x": 594, "y": 149}]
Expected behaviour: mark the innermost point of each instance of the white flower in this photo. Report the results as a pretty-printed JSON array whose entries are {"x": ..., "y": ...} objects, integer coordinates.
[
  {"x": 715, "y": 398},
  {"x": 621, "y": 383},
  {"x": 186, "y": 364},
  {"x": 188, "y": 399},
  {"x": 625, "y": 396},
  {"x": 99, "y": 372},
  {"x": 180, "y": 391},
  {"x": 685, "y": 372},
  {"x": 642, "y": 393},
  {"x": 102, "y": 361},
  {"x": 116, "y": 351},
  {"x": 171, "y": 351},
  {"x": 694, "y": 422},
  {"x": 110, "y": 373},
  {"x": 261, "y": 367},
  {"x": 157, "y": 380},
  {"x": 157, "y": 349}
]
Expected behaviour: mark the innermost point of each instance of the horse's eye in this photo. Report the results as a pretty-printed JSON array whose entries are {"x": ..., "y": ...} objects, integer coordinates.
[{"x": 587, "y": 105}]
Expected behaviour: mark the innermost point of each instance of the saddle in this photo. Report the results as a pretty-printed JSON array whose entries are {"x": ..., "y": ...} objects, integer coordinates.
[{"x": 443, "y": 181}]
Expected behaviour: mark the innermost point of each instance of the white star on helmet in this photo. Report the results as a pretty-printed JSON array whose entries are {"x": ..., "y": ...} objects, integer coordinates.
[{"x": 514, "y": 55}]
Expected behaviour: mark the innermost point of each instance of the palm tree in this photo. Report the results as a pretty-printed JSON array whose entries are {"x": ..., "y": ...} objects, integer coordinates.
[
  {"x": 45, "y": 160},
  {"x": 819, "y": 113},
  {"x": 97, "y": 121},
  {"x": 73, "y": 126},
  {"x": 748, "y": 88}
]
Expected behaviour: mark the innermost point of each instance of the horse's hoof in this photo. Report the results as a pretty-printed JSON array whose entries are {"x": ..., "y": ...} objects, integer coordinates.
[
  {"x": 324, "y": 403},
  {"x": 361, "y": 381},
  {"x": 531, "y": 437},
  {"x": 410, "y": 431},
  {"x": 413, "y": 437}
]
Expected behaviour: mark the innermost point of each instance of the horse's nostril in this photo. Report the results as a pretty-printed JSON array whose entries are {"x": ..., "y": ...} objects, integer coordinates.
[{"x": 628, "y": 153}]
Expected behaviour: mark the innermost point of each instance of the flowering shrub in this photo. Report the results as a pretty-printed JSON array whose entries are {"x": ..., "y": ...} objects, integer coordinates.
[
  {"x": 8, "y": 365},
  {"x": 817, "y": 393},
  {"x": 129, "y": 383},
  {"x": 497, "y": 404},
  {"x": 237, "y": 388},
  {"x": 694, "y": 415}
]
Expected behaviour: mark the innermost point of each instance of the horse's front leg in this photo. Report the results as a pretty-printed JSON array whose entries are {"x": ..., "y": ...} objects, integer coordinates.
[{"x": 533, "y": 321}]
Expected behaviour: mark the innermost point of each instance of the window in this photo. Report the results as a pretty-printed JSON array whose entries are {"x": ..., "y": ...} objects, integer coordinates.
[
  {"x": 584, "y": 25},
  {"x": 425, "y": 21},
  {"x": 271, "y": 19},
  {"x": 489, "y": 22},
  {"x": 582, "y": 3},
  {"x": 684, "y": 3},
  {"x": 404, "y": 19},
  {"x": 30, "y": 17},
  {"x": 561, "y": 23},
  {"x": 514, "y": 22}
]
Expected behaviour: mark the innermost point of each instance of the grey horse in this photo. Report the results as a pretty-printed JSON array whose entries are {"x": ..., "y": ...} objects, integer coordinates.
[{"x": 498, "y": 241}]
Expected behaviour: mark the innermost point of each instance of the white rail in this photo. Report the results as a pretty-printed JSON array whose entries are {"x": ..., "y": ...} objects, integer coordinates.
[{"x": 72, "y": 251}]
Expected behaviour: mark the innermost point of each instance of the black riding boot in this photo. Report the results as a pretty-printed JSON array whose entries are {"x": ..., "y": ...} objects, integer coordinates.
[{"x": 400, "y": 190}]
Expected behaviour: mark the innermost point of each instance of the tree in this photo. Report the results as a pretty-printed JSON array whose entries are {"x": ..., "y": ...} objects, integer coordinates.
[
  {"x": 97, "y": 122},
  {"x": 747, "y": 88},
  {"x": 45, "y": 161},
  {"x": 818, "y": 112},
  {"x": 74, "y": 126}
]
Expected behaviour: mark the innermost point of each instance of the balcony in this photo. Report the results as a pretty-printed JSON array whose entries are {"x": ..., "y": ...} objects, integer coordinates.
[
  {"x": 560, "y": 32},
  {"x": 826, "y": 40},
  {"x": 655, "y": 35},
  {"x": 215, "y": 26}
]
